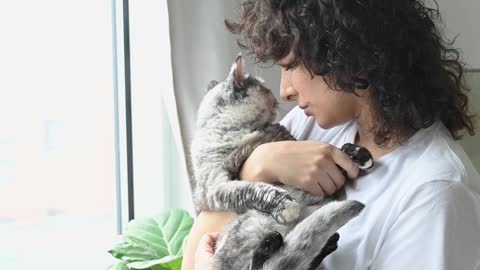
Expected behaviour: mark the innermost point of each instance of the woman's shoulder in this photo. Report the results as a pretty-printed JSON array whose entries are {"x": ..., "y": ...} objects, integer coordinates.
[
  {"x": 440, "y": 149},
  {"x": 435, "y": 155}
]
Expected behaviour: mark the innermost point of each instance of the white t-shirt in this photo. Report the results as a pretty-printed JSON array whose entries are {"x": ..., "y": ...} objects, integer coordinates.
[{"x": 422, "y": 203}]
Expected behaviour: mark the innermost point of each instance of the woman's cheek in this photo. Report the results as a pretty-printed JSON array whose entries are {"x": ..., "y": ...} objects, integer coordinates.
[{"x": 329, "y": 117}]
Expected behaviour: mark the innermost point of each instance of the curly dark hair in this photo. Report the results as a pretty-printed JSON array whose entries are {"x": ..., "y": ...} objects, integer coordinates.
[{"x": 416, "y": 77}]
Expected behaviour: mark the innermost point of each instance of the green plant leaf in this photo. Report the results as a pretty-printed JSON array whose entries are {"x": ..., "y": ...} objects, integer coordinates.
[
  {"x": 184, "y": 243},
  {"x": 130, "y": 252},
  {"x": 164, "y": 234},
  {"x": 118, "y": 266},
  {"x": 155, "y": 243},
  {"x": 167, "y": 263},
  {"x": 175, "y": 264}
]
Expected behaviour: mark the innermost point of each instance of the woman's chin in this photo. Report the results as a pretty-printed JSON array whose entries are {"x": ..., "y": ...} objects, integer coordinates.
[{"x": 325, "y": 124}]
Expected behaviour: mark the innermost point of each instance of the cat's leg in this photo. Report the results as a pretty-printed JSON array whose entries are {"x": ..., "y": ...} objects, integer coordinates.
[
  {"x": 301, "y": 244},
  {"x": 241, "y": 196},
  {"x": 330, "y": 246},
  {"x": 240, "y": 154},
  {"x": 272, "y": 241},
  {"x": 276, "y": 132},
  {"x": 269, "y": 244},
  {"x": 304, "y": 197},
  {"x": 251, "y": 238}
]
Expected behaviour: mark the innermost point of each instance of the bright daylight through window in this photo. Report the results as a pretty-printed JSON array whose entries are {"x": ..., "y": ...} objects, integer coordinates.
[{"x": 57, "y": 174}]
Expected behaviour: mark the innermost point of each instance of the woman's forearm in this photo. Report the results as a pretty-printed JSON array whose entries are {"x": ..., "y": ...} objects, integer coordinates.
[{"x": 255, "y": 168}]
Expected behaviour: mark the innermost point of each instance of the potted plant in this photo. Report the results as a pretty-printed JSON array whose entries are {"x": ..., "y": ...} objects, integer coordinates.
[{"x": 154, "y": 243}]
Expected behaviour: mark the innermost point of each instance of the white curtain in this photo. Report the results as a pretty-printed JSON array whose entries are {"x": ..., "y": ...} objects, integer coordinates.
[
  {"x": 203, "y": 50},
  {"x": 160, "y": 174}
]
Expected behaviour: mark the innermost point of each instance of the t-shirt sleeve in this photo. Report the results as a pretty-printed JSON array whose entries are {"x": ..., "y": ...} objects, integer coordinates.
[{"x": 438, "y": 229}]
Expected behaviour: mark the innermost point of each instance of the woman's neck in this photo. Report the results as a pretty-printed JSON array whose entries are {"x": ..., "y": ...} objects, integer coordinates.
[{"x": 365, "y": 137}]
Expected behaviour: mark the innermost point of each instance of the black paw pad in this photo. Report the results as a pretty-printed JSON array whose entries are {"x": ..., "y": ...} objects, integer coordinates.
[
  {"x": 360, "y": 155},
  {"x": 266, "y": 248}
]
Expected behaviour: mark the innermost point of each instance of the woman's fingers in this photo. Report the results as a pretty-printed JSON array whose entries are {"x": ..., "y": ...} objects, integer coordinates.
[
  {"x": 315, "y": 188},
  {"x": 335, "y": 175},
  {"x": 327, "y": 184},
  {"x": 210, "y": 242},
  {"x": 345, "y": 162},
  {"x": 207, "y": 242},
  {"x": 321, "y": 184}
]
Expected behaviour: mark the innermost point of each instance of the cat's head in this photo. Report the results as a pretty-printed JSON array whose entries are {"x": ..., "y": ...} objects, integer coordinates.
[{"x": 240, "y": 100}]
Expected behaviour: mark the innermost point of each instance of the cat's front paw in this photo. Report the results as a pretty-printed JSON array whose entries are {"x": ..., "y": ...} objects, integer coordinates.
[
  {"x": 288, "y": 212},
  {"x": 277, "y": 202}
]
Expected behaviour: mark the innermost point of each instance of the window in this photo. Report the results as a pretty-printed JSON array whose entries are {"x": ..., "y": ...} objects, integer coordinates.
[{"x": 57, "y": 156}]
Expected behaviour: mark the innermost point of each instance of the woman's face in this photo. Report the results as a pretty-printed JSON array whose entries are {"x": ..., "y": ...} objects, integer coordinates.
[{"x": 329, "y": 107}]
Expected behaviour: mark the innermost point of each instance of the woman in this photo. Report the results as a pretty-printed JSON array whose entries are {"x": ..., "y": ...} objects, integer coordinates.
[{"x": 377, "y": 74}]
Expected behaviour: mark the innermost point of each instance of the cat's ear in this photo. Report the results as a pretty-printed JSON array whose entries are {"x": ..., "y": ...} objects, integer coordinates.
[
  {"x": 240, "y": 66},
  {"x": 237, "y": 73}
]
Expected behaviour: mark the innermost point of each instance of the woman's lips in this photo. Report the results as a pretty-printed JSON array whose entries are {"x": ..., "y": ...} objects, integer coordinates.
[{"x": 305, "y": 110}]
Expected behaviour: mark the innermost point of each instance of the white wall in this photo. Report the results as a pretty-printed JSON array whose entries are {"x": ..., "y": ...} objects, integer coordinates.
[
  {"x": 462, "y": 18},
  {"x": 469, "y": 143}
]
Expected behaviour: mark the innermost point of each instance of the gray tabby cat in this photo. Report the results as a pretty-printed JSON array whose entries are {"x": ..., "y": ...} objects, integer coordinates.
[
  {"x": 279, "y": 227},
  {"x": 234, "y": 118}
]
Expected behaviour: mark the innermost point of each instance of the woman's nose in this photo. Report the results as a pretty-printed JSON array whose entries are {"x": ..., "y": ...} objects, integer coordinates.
[
  {"x": 288, "y": 94},
  {"x": 287, "y": 91}
]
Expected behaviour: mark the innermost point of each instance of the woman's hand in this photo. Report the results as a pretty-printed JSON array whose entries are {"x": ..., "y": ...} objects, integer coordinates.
[
  {"x": 307, "y": 165},
  {"x": 205, "y": 251}
]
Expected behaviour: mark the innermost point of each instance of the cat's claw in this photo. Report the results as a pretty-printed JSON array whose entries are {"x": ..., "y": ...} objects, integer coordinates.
[{"x": 289, "y": 213}]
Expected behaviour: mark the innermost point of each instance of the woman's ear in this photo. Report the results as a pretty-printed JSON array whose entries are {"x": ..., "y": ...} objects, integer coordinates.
[{"x": 360, "y": 83}]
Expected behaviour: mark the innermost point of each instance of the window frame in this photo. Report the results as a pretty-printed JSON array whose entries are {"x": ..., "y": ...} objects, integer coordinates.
[{"x": 123, "y": 114}]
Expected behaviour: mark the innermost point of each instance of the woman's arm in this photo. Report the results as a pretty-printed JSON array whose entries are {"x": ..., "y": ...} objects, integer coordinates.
[{"x": 306, "y": 165}]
